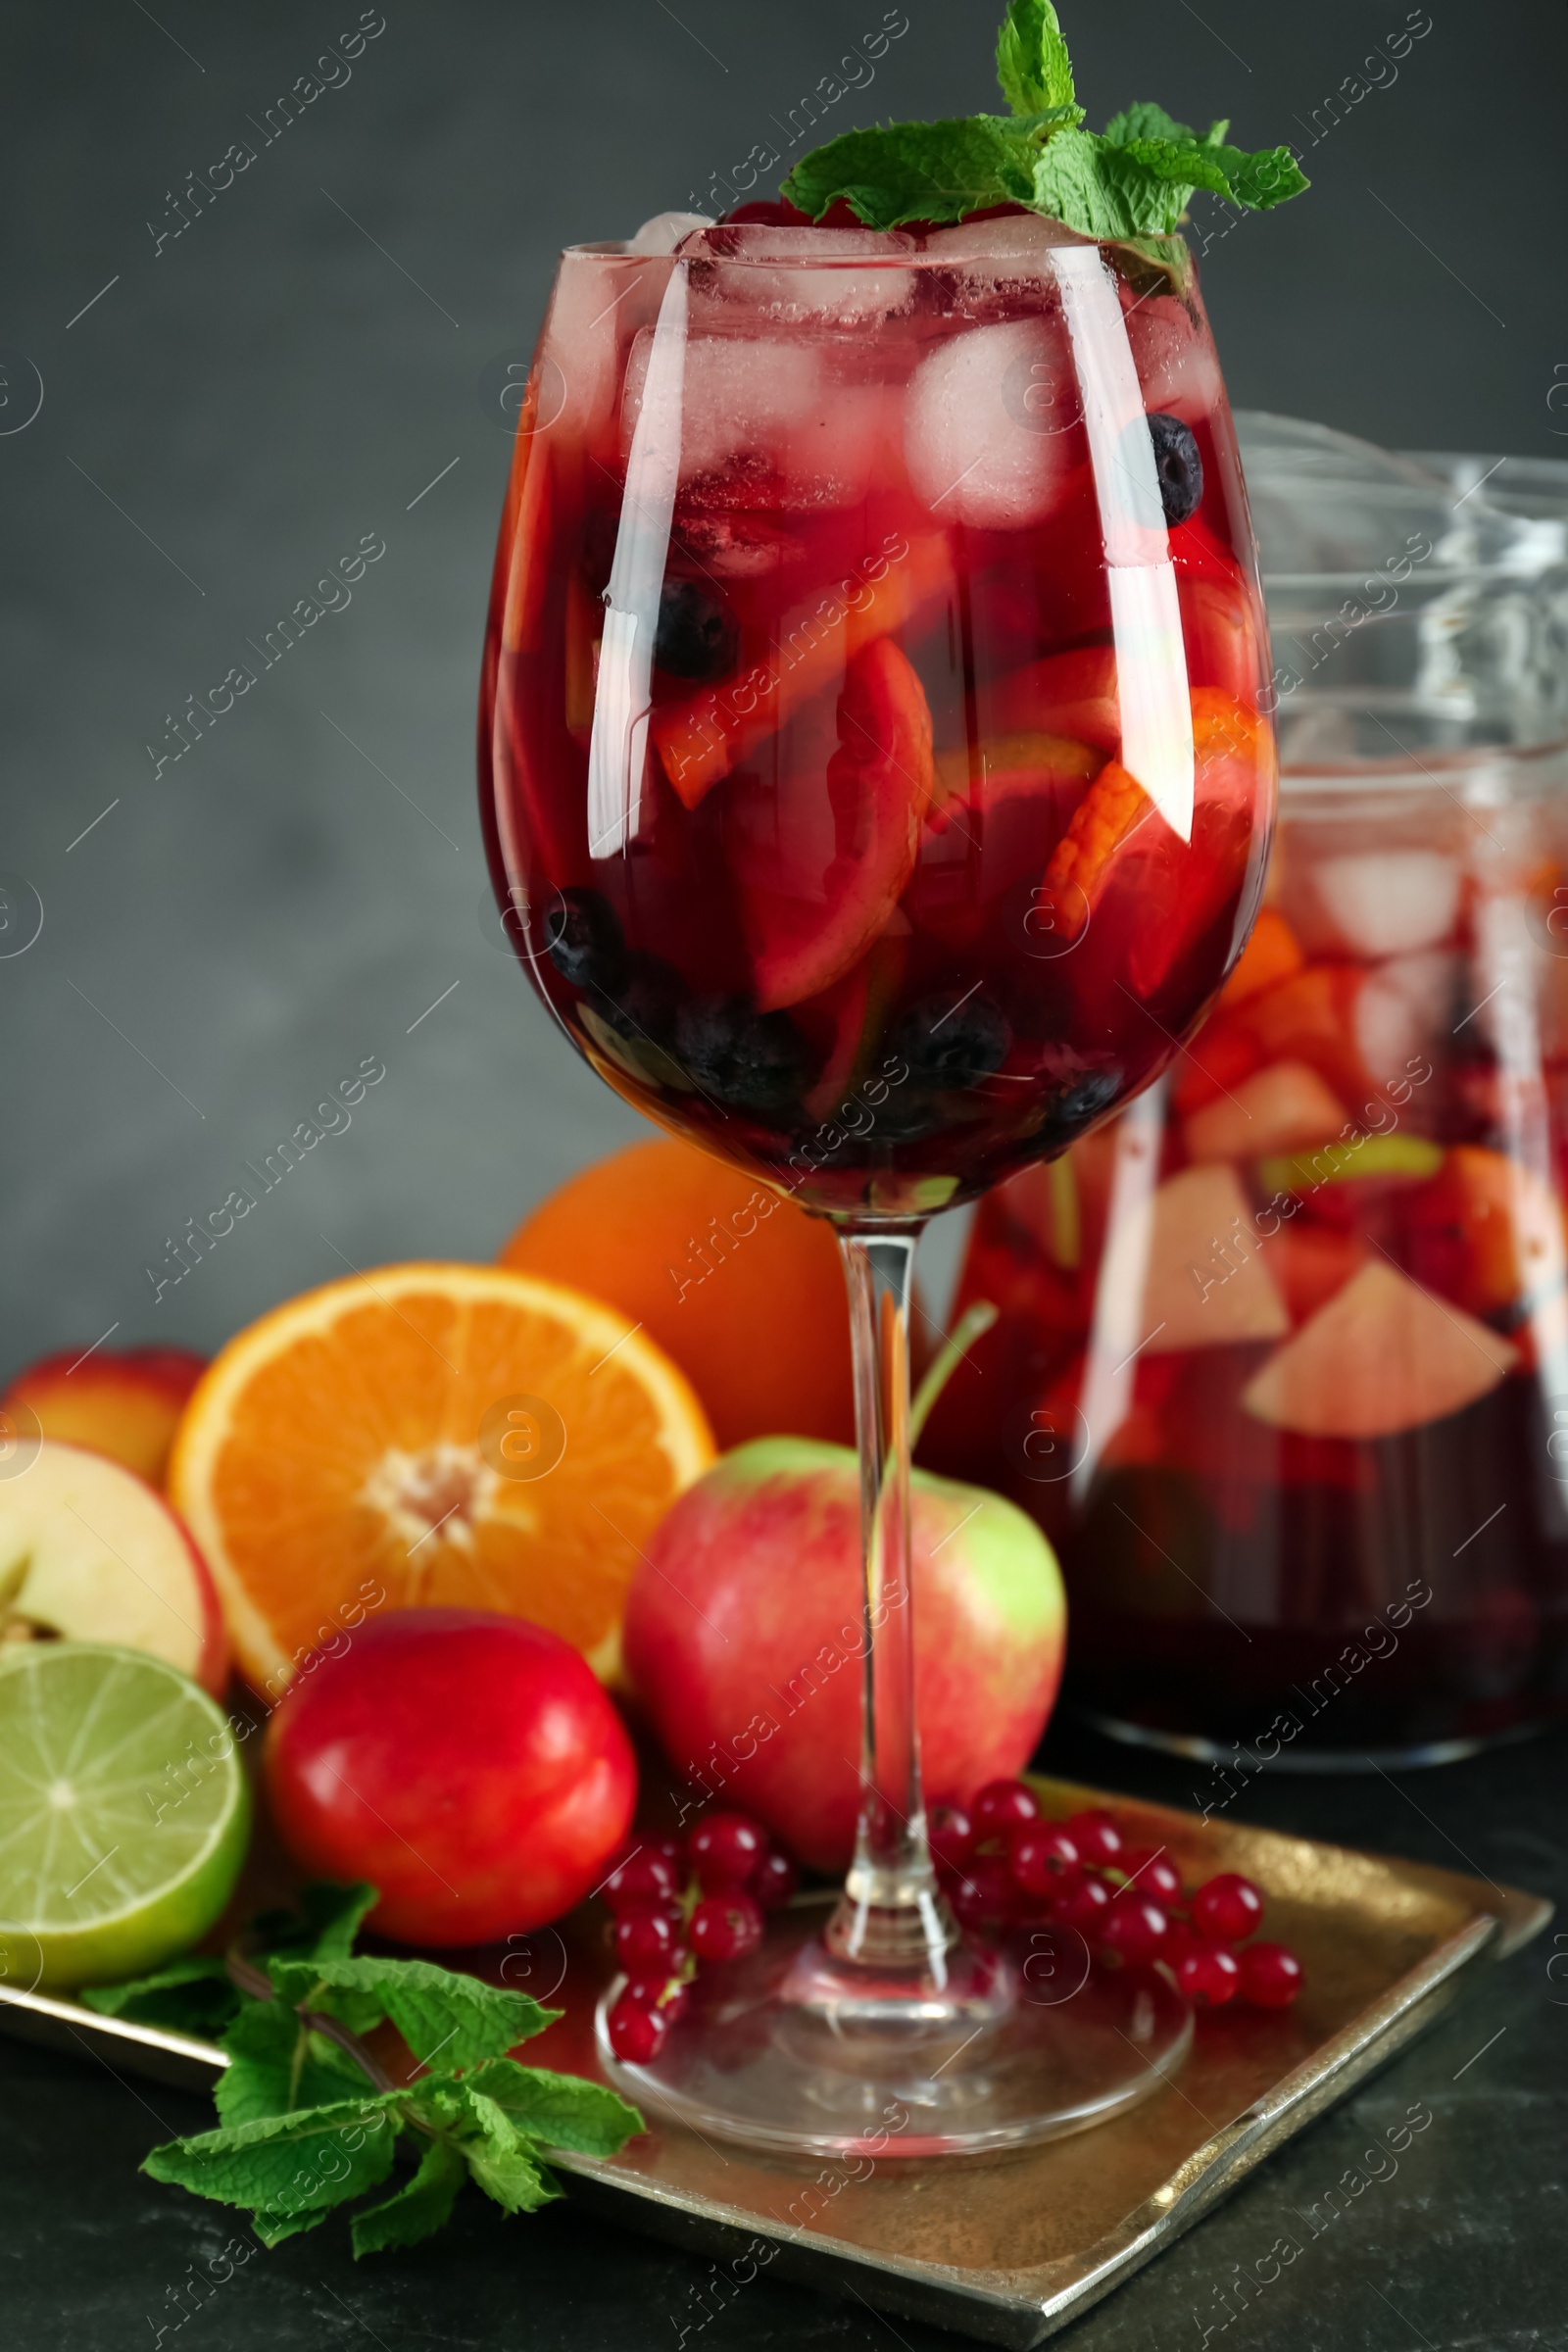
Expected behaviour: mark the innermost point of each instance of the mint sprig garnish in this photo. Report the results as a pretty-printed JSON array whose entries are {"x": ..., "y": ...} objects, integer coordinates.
[
  {"x": 309, "y": 2119},
  {"x": 1132, "y": 180}
]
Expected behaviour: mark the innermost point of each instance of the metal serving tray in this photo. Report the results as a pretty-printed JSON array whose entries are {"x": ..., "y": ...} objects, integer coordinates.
[{"x": 1009, "y": 2249}]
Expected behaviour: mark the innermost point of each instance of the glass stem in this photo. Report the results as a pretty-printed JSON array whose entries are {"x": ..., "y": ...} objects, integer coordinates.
[{"x": 891, "y": 1914}]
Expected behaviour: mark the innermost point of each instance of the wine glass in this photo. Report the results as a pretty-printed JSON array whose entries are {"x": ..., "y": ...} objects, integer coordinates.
[{"x": 876, "y": 779}]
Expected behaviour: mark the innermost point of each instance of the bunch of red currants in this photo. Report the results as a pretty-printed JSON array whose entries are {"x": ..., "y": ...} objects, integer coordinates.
[
  {"x": 679, "y": 1901},
  {"x": 1002, "y": 1865}
]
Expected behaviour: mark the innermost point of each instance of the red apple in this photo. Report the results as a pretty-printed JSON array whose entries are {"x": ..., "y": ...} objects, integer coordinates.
[
  {"x": 124, "y": 1403},
  {"x": 469, "y": 1765},
  {"x": 743, "y": 1638},
  {"x": 89, "y": 1552}
]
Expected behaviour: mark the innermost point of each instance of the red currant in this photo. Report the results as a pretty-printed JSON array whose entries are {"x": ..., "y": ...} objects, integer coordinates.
[
  {"x": 726, "y": 1849},
  {"x": 983, "y": 1893},
  {"x": 636, "y": 2031},
  {"x": 773, "y": 1881},
  {"x": 952, "y": 1836},
  {"x": 1086, "y": 1907},
  {"x": 648, "y": 1939},
  {"x": 666, "y": 1994},
  {"x": 1150, "y": 1872},
  {"x": 1207, "y": 1975},
  {"x": 726, "y": 1927},
  {"x": 1096, "y": 1835},
  {"x": 1271, "y": 1976},
  {"x": 1227, "y": 1909},
  {"x": 644, "y": 1875},
  {"x": 1043, "y": 1858},
  {"x": 999, "y": 1805},
  {"x": 1136, "y": 1928}
]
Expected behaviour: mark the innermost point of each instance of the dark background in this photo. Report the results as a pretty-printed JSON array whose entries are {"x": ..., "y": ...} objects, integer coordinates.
[{"x": 235, "y": 934}]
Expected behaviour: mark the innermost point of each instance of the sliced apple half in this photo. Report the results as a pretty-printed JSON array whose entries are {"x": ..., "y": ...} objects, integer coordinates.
[
  {"x": 1205, "y": 1280},
  {"x": 88, "y": 1553},
  {"x": 1383, "y": 1357},
  {"x": 1277, "y": 1109}
]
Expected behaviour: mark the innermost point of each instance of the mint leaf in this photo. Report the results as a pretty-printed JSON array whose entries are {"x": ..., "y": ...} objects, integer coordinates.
[
  {"x": 438, "y": 2013},
  {"x": 334, "y": 1916},
  {"x": 916, "y": 170},
  {"x": 273, "y": 2228},
  {"x": 1031, "y": 62},
  {"x": 286, "y": 2165},
  {"x": 189, "y": 1996},
  {"x": 559, "y": 2111},
  {"x": 504, "y": 2161},
  {"x": 1256, "y": 182},
  {"x": 418, "y": 2209},
  {"x": 1131, "y": 180},
  {"x": 1146, "y": 121},
  {"x": 276, "y": 2065}
]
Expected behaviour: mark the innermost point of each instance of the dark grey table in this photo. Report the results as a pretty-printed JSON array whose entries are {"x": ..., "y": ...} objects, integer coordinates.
[{"x": 1463, "y": 2249}]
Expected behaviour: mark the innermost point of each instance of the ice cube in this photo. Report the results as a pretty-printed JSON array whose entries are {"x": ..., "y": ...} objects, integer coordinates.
[
  {"x": 1175, "y": 360},
  {"x": 1403, "y": 1009},
  {"x": 1376, "y": 902},
  {"x": 1000, "y": 262},
  {"x": 800, "y": 277},
  {"x": 665, "y": 230},
  {"x": 764, "y": 423},
  {"x": 986, "y": 427}
]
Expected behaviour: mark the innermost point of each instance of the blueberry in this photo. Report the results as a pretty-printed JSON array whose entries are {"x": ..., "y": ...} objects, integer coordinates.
[
  {"x": 758, "y": 1060},
  {"x": 1178, "y": 464},
  {"x": 584, "y": 941},
  {"x": 697, "y": 634},
  {"x": 643, "y": 1003},
  {"x": 1078, "y": 1105},
  {"x": 951, "y": 1042}
]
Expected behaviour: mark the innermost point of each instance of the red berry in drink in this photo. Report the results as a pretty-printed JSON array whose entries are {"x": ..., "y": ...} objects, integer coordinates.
[
  {"x": 648, "y": 1939},
  {"x": 952, "y": 1834},
  {"x": 1134, "y": 1928},
  {"x": 644, "y": 1875},
  {"x": 726, "y": 1927},
  {"x": 773, "y": 1881},
  {"x": 726, "y": 1849},
  {"x": 1227, "y": 1909},
  {"x": 1042, "y": 1859},
  {"x": 1000, "y": 1806},
  {"x": 1150, "y": 1872},
  {"x": 1271, "y": 1976},
  {"x": 636, "y": 2031},
  {"x": 982, "y": 1894},
  {"x": 1208, "y": 1974},
  {"x": 1086, "y": 1908},
  {"x": 1096, "y": 1835}
]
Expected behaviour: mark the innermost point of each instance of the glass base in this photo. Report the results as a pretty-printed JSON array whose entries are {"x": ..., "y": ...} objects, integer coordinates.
[
  {"x": 1321, "y": 1759},
  {"x": 794, "y": 2051}
]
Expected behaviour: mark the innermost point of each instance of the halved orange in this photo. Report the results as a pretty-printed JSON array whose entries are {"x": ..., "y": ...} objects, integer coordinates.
[{"x": 437, "y": 1436}]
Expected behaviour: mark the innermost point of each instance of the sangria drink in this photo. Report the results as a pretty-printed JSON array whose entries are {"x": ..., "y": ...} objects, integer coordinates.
[
  {"x": 877, "y": 783},
  {"x": 862, "y": 819},
  {"x": 1285, "y": 1353}
]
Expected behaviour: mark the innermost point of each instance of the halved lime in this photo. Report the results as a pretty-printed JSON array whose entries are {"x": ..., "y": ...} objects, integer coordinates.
[{"x": 123, "y": 1813}]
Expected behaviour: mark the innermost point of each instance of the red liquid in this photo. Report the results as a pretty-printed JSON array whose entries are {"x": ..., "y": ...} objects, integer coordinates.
[
  {"x": 1326, "y": 1512},
  {"x": 832, "y": 944}
]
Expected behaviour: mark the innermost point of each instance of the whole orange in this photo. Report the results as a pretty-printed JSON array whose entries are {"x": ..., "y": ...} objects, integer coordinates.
[{"x": 744, "y": 1290}]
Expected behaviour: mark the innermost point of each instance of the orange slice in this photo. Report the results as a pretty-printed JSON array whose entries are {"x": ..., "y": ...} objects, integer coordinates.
[{"x": 440, "y": 1436}]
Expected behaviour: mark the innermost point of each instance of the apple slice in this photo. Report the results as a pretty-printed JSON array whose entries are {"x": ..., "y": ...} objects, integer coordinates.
[
  {"x": 90, "y": 1553},
  {"x": 819, "y": 867},
  {"x": 1205, "y": 1283},
  {"x": 1383, "y": 1357},
  {"x": 126, "y": 1402},
  {"x": 1277, "y": 1109}
]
